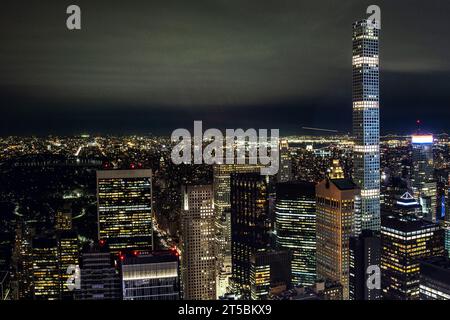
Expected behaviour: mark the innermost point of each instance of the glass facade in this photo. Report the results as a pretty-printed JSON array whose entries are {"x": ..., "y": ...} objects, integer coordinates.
[
  {"x": 295, "y": 228},
  {"x": 125, "y": 209},
  {"x": 366, "y": 123},
  {"x": 250, "y": 226},
  {"x": 405, "y": 241}
]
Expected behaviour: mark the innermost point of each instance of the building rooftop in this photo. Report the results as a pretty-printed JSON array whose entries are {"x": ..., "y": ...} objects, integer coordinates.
[
  {"x": 404, "y": 223},
  {"x": 344, "y": 184}
]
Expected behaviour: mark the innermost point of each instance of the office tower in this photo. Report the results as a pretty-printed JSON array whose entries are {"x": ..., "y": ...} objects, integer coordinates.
[
  {"x": 435, "y": 279},
  {"x": 407, "y": 205},
  {"x": 391, "y": 188},
  {"x": 285, "y": 171},
  {"x": 22, "y": 261},
  {"x": 124, "y": 200},
  {"x": 269, "y": 270},
  {"x": 295, "y": 228},
  {"x": 99, "y": 277},
  {"x": 63, "y": 218},
  {"x": 150, "y": 276},
  {"x": 334, "y": 206},
  {"x": 222, "y": 180},
  {"x": 198, "y": 257},
  {"x": 365, "y": 251},
  {"x": 250, "y": 226},
  {"x": 46, "y": 277},
  {"x": 405, "y": 240},
  {"x": 423, "y": 182},
  {"x": 366, "y": 123},
  {"x": 336, "y": 171},
  {"x": 68, "y": 255}
]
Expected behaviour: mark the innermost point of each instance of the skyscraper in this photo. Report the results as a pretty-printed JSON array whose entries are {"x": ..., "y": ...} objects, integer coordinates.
[
  {"x": 268, "y": 270},
  {"x": 250, "y": 226},
  {"x": 68, "y": 255},
  {"x": 405, "y": 241},
  {"x": 295, "y": 228},
  {"x": 99, "y": 277},
  {"x": 222, "y": 213},
  {"x": 366, "y": 123},
  {"x": 150, "y": 276},
  {"x": 423, "y": 182},
  {"x": 365, "y": 251},
  {"x": 335, "y": 206},
  {"x": 285, "y": 172},
  {"x": 198, "y": 259},
  {"x": 125, "y": 209},
  {"x": 46, "y": 276}
]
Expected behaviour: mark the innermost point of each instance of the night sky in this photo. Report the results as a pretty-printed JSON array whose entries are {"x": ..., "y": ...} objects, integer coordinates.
[{"x": 154, "y": 66}]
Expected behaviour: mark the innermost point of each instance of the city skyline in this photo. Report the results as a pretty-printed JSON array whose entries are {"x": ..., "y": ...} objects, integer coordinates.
[{"x": 345, "y": 216}]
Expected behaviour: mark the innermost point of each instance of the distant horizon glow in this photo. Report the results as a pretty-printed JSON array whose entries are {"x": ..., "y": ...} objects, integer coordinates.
[{"x": 422, "y": 138}]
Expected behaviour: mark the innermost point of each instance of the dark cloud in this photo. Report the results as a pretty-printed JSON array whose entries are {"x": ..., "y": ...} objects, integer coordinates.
[{"x": 140, "y": 66}]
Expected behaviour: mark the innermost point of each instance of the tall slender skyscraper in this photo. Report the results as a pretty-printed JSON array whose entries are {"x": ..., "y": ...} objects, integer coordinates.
[
  {"x": 125, "y": 209},
  {"x": 198, "y": 258},
  {"x": 366, "y": 123}
]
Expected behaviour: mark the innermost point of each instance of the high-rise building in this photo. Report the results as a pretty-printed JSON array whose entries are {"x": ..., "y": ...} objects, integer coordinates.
[
  {"x": 151, "y": 276},
  {"x": 23, "y": 263},
  {"x": 46, "y": 276},
  {"x": 99, "y": 276},
  {"x": 407, "y": 205},
  {"x": 423, "y": 182},
  {"x": 405, "y": 240},
  {"x": 124, "y": 200},
  {"x": 366, "y": 123},
  {"x": 365, "y": 251},
  {"x": 198, "y": 259},
  {"x": 295, "y": 228},
  {"x": 285, "y": 171},
  {"x": 269, "y": 269},
  {"x": 250, "y": 226},
  {"x": 334, "y": 206},
  {"x": 435, "y": 279},
  {"x": 222, "y": 212},
  {"x": 68, "y": 255}
]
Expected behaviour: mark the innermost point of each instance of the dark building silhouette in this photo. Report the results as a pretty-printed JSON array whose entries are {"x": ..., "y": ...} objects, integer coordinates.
[
  {"x": 295, "y": 228},
  {"x": 269, "y": 270},
  {"x": 99, "y": 277},
  {"x": 435, "y": 279},
  {"x": 365, "y": 251},
  {"x": 250, "y": 226}
]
